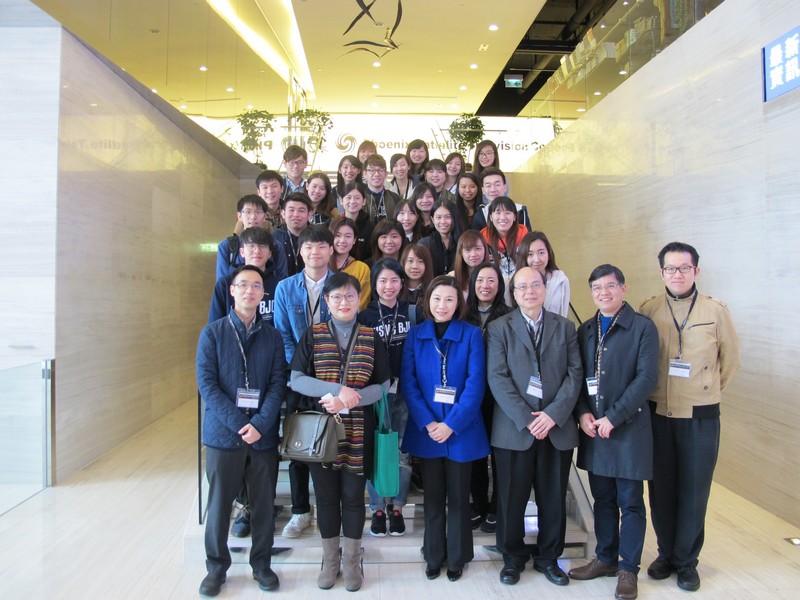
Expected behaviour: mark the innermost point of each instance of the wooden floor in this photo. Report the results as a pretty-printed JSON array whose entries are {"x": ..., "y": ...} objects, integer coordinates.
[{"x": 115, "y": 530}]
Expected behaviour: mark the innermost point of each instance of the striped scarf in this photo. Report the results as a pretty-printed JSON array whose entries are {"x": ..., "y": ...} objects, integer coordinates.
[{"x": 327, "y": 367}]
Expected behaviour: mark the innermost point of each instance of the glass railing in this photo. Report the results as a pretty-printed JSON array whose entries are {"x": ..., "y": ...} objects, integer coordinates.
[
  {"x": 25, "y": 394},
  {"x": 630, "y": 34}
]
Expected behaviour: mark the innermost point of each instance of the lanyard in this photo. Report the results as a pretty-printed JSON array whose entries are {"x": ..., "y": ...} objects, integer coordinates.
[
  {"x": 294, "y": 250},
  {"x": 682, "y": 325},
  {"x": 313, "y": 311},
  {"x": 602, "y": 338},
  {"x": 387, "y": 339},
  {"x": 443, "y": 356},
  {"x": 241, "y": 349},
  {"x": 537, "y": 344},
  {"x": 344, "y": 360}
]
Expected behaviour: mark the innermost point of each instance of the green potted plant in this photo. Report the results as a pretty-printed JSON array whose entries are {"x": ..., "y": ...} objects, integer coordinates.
[
  {"x": 465, "y": 132},
  {"x": 314, "y": 125},
  {"x": 255, "y": 125}
]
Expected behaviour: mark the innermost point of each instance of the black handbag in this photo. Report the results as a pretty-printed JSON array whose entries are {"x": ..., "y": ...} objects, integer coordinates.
[{"x": 311, "y": 437}]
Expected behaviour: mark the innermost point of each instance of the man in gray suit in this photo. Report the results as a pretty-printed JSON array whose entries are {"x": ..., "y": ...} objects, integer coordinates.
[{"x": 535, "y": 375}]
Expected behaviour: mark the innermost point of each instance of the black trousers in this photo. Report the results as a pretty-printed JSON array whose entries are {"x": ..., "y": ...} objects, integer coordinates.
[
  {"x": 546, "y": 469},
  {"x": 340, "y": 501},
  {"x": 684, "y": 457},
  {"x": 448, "y": 533},
  {"x": 225, "y": 470}
]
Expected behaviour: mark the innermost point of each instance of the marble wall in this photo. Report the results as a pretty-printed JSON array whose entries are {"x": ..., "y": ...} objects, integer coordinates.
[
  {"x": 138, "y": 196},
  {"x": 686, "y": 150}
]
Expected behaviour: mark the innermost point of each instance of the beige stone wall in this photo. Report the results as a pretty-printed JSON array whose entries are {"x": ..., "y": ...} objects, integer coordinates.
[{"x": 686, "y": 150}]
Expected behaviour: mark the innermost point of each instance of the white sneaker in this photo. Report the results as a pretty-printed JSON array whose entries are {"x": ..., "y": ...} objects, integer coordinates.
[{"x": 294, "y": 528}]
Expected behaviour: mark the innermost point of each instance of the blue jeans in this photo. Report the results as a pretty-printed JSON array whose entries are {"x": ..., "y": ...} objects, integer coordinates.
[
  {"x": 620, "y": 520},
  {"x": 399, "y": 416}
]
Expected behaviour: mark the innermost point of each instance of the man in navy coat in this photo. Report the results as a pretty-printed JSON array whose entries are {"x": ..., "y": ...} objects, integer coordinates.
[
  {"x": 535, "y": 375},
  {"x": 619, "y": 349}
]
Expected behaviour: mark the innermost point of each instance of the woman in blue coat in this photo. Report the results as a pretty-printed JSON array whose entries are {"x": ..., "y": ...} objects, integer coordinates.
[{"x": 444, "y": 377}]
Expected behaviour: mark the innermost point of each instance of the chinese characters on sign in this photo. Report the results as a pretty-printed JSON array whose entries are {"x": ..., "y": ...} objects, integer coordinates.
[{"x": 782, "y": 65}]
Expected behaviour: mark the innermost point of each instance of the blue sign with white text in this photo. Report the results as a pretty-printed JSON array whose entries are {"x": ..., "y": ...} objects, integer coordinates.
[{"x": 782, "y": 65}]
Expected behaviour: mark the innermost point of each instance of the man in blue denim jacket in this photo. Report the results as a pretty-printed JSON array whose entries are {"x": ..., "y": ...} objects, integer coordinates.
[{"x": 241, "y": 374}]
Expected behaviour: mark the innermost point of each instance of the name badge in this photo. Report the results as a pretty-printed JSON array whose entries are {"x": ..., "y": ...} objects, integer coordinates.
[
  {"x": 393, "y": 386},
  {"x": 591, "y": 385},
  {"x": 445, "y": 394},
  {"x": 535, "y": 387},
  {"x": 246, "y": 398},
  {"x": 681, "y": 369}
]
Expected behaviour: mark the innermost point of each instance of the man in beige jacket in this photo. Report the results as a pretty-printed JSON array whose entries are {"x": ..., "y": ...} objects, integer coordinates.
[{"x": 698, "y": 356}]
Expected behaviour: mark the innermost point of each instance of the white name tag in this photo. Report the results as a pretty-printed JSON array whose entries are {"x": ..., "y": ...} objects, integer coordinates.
[
  {"x": 591, "y": 385},
  {"x": 681, "y": 369},
  {"x": 445, "y": 394},
  {"x": 393, "y": 386},
  {"x": 535, "y": 387},
  {"x": 246, "y": 398}
]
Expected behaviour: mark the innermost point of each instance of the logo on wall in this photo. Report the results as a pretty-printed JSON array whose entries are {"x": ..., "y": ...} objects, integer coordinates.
[{"x": 346, "y": 143}]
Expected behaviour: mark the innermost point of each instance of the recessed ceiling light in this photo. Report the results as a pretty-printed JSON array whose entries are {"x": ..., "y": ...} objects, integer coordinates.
[
  {"x": 473, "y": 66},
  {"x": 183, "y": 107},
  {"x": 493, "y": 27},
  {"x": 154, "y": 90},
  {"x": 375, "y": 86},
  {"x": 249, "y": 107},
  {"x": 598, "y": 93},
  {"x": 483, "y": 47},
  {"x": 228, "y": 89},
  {"x": 454, "y": 105},
  {"x": 463, "y": 88},
  {"x": 203, "y": 68},
  {"x": 93, "y": 104},
  {"x": 377, "y": 63},
  {"x": 581, "y": 110},
  {"x": 623, "y": 72},
  {"x": 374, "y": 104},
  {"x": 602, "y": 25}
]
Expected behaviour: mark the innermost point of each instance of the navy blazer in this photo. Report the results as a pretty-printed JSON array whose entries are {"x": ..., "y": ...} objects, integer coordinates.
[
  {"x": 628, "y": 374},
  {"x": 511, "y": 362},
  {"x": 421, "y": 374}
]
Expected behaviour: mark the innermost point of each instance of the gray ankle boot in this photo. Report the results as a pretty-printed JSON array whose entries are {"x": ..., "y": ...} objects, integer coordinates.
[
  {"x": 351, "y": 564},
  {"x": 329, "y": 570}
]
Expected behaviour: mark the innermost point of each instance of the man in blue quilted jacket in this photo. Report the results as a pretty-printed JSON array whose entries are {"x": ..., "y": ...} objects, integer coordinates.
[{"x": 241, "y": 374}]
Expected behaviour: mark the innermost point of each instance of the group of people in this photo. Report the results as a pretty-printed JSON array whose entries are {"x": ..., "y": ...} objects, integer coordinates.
[{"x": 439, "y": 296}]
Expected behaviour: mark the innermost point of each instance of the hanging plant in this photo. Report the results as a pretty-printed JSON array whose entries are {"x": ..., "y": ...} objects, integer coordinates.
[
  {"x": 314, "y": 125},
  {"x": 255, "y": 124},
  {"x": 465, "y": 132}
]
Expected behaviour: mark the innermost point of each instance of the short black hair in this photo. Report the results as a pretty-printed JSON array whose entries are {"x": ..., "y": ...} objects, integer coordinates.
[
  {"x": 492, "y": 171},
  {"x": 251, "y": 199},
  {"x": 241, "y": 268},
  {"x": 678, "y": 247},
  {"x": 435, "y": 164},
  {"x": 315, "y": 234},
  {"x": 382, "y": 265},
  {"x": 257, "y": 235},
  {"x": 298, "y": 197},
  {"x": 604, "y": 270},
  {"x": 269, "y": 175},
  {"x": 338, "y": 281}
]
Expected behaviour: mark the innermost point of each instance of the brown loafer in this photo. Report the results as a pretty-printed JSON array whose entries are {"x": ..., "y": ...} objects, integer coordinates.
[
  {"x": 627, "y": 587},
  {"x": 596, "y": 568}
]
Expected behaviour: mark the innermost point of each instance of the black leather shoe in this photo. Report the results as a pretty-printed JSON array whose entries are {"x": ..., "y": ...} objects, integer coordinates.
[
  {"x": 553, "y": 573},
  {"x": 510, "y": 574},
  {"x": 212, "y": 584},
  {"x": 660, "y": 568},
  {"x": 432, "y": 572},
  {"x": 454, "y": 575},
  {"x": 267, "y": 579},
  {"x": 688, "y": 579}
]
